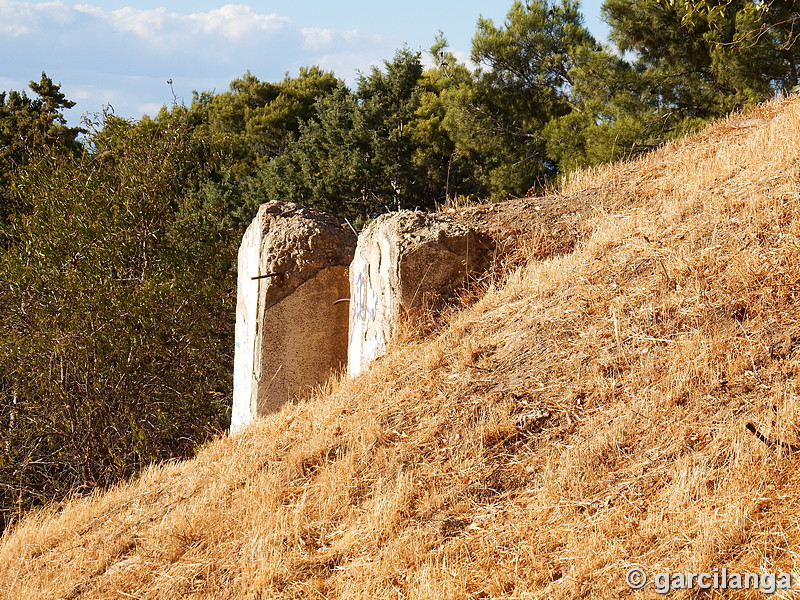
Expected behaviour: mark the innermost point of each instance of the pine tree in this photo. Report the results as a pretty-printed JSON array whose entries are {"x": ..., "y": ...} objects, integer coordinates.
[
  {"x": 356, "y": 157},
  {"x": 523, "y": 84},
  {"x": 388, "y": 102},
  {"x": 27, "y": 126}
]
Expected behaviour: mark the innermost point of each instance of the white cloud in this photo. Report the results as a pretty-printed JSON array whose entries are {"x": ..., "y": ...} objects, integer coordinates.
[
  {"x": 147, "y": 24},
  {"x": 316, "y": 38},
  {"x": 11, "y": 84},
  {"x": 124, "y": 57},
  {"x": 350, "y": 65},
  {"x": 88, "y": 8},
  {"x": 98, "y": 94},
  {"x": 21, "y": 18},
  {"x": 149, "y": 108},
  {"x": 233, "y": 22},
  {"x": 236, "y": 21}
]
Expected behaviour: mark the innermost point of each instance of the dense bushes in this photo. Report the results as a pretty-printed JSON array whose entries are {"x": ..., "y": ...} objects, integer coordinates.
[{"x": 115, "y": 313}]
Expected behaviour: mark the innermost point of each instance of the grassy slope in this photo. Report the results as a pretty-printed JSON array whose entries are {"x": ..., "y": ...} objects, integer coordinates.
[{"x": 438, "y": 474}]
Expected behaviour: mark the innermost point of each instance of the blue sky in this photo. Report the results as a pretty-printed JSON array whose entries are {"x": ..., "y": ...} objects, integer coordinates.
[{"x": 121, "y": 53}]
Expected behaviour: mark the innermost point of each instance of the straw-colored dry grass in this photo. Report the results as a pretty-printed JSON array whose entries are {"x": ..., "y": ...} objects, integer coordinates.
[{"x": 585, "y": 415}]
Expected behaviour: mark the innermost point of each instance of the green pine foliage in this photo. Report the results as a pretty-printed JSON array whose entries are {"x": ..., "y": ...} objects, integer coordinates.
[
  {"x": 523, "y": 83},
  {"x": 327, "y": 166},
  {"x": 255, "y": 120},
  {"x": 358, "y": 155},
  {"x": 447, "y": 168},
  {"x": 28, "y": 125}
]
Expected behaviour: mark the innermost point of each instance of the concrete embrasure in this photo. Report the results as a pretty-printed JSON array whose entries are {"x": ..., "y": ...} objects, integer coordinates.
[
  {"x": 401, "y": 260},
  {"x": 290, "y": 331}
]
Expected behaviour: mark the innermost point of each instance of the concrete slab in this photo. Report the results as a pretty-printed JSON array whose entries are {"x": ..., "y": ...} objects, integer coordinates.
[
  {"x": 401, "y": 260},
  {"x": 290, "y": 336}
]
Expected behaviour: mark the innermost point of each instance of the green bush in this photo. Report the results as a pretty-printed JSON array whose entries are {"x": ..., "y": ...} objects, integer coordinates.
[{"x": 116, "y": 320}]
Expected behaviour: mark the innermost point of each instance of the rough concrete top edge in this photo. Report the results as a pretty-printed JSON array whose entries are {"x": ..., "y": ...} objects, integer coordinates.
[
  {"x": 306, "y": 231},
  {"x": 408, "y": 226},
  {"x": 493, "y": 217},
  {"x": 298, "y": 242},
  {"x": 555, "y": 219},
  {"x": 277, "y": 210},
  {"x": 411, "y": 220}
]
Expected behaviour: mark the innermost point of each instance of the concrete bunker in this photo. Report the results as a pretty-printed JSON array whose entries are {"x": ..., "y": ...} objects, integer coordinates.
[
  {"x": 291, "y": 332},
  {"x": 401, "y": 258},
  {"x": 292, "y": 327}
]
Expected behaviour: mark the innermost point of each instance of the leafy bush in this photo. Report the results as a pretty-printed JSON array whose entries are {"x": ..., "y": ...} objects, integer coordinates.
[{"x": 115, "y": 316}]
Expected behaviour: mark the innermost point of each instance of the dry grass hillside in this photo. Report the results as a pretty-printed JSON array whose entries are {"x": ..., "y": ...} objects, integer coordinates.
[{"x": 586, "y": 414}]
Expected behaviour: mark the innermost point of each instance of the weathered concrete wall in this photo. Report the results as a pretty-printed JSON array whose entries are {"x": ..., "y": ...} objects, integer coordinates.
[
  {"x": 401, "y": 258},
  {"x": 290, "y": 336},
  {"x": 306, "y": 339},
  {"x": 293, "y": 267}
]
